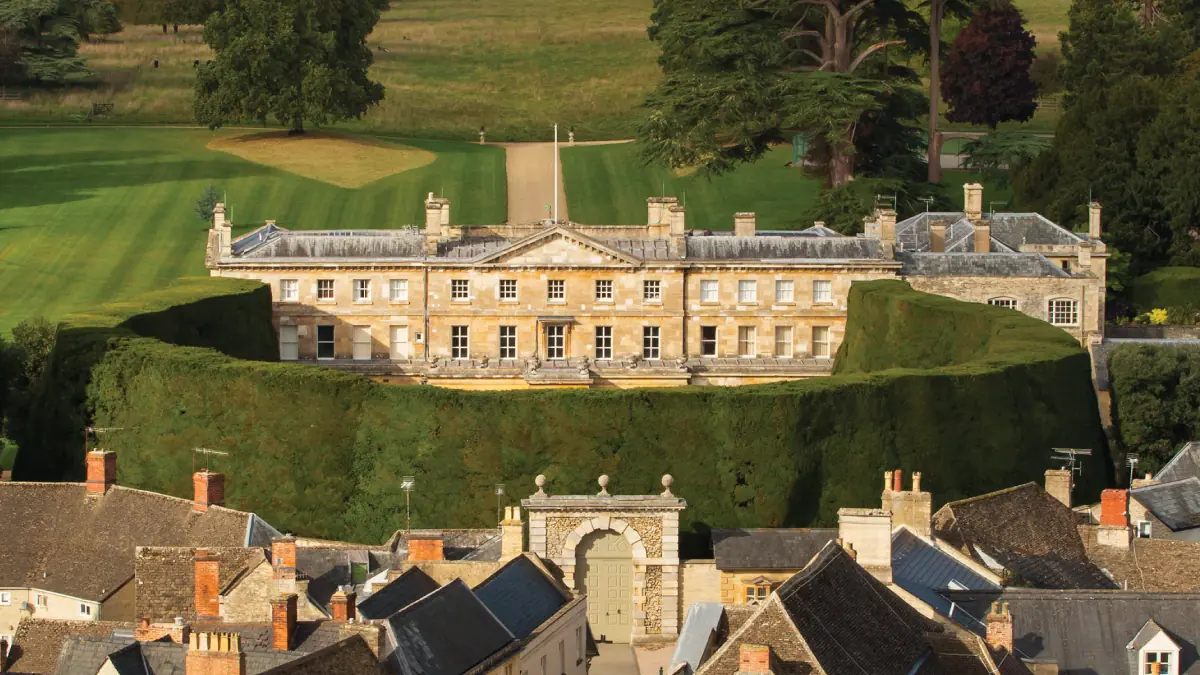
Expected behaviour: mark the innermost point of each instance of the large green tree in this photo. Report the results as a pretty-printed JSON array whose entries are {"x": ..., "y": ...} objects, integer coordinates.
[
  {"x": 986, "y": 78},
  {"x": 294, "y": 60},
  {"x": 47, "y": 34},
  {"x": 938, "y": 11}
]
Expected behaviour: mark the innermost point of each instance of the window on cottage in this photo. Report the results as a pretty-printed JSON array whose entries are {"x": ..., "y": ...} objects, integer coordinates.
[
  {"x": 324, "y": 289},
  {"x": 325, "y": 346},
  {"x": 41, "y": 600},
  {"x": 460, "y": 289},
  {"x": 289, "y": 343},
  {"x": 1064, "y": 312},
  {"x": 747, "y": 340},
  {"x": 747, "y": 291},
  {"x": 783, "y": 342},
  {"x": 398, "y": 290},
  {"x": 508, "y": 289},
  {"x": 556, "y": 342},
  {"x": 556, "y": 290},
  {"x": 508, "y": 342},
  {"x": 709, "y": 290},
  {"x": 460, "y": 342},
  {"x": 289, "y": 290},
  {"x": 650, "y": 342},
  {"x": 604, "y": 290},
  {"x": 785, "y": 291},
  {"x": 362, "y": 290},
  {"x": 85, "y": 610},
  {"x": 820, "y": 342},
  {"x": 822, "y": 291},
  {"x": 1166, "y": 663},
  {"x": 1143, "y": 529},
  {"x": 604, "y": 342},
  {"x": 757, "y": 593},
  {"x": 708, "y": 340},
  {"x": 1007, "y": 303},
  {"x": 652, "y": 290}
]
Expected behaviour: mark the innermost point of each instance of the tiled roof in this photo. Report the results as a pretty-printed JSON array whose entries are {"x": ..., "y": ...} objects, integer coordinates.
[
  {"x": 768, "y": 247},
  {"x": 697, "y": 636},
  {"x": 1150, "y": 565},
  {"x": 766, "y": 549},
  {"x": 351, "y": 656},
  {"x": 1009, "y": 231},
  {"x": 330, "y": 568},
  {"x": 1030, "y": 533},
  {"x": 166, "y": 578},
  {"x": 478, "y": 544},
  {"x": 1185, "y": 464},
  {"x": 399, "y": 244},
  {"x": 397, "y": 594},
  {"x": 448, "y": 632},
  {"x": 84, "y": 546},
  {"x": 926, "y": 571},
  {"x": 37, "y": 642},
  {"x": 978, "y": 265},
  {"x": 521, "y": 596},
  {"x": 1176, "y": 504}
]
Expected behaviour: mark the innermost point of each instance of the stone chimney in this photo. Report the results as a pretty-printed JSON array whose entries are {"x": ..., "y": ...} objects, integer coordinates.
[
  {"x": 1000, "y": 627},
  {"x": 512, "y": 534},
  {"x": 1084, "y": 252},
  {"x": 937, "y": 237},
  {"x": 677, "y": 231},
  {"x": 754, "y": 659},
  {"x": 433, "y": 224},
  {"x": 1058, "y": 485},
  {"x": 657, "y": 210},
  {"x": 973, "y": 201},
  {"x": 745, "y": 224},
  {"x": 283, "y": 563},
  {"x": 215, "y": 654},
  {"x": 101, "y": 472},
  {"x": 913, "y": 509},
  {"x": 887, "y": 225},
  {"x": 283, "y": 621},
  {"x": 425, "y": 547},
  {"x": 445, "y": 202},
  {"x": 1114, "y": 519},
  {"x": 869, "y": 531},
  {"x": 207, "y": 584},
  {"x": 1094, "y": 220},
  {"x": 372, "y": 633},
  {"x": 209, "y": 490},
  {"x": 178, "y": 631},
  {"x": 223, "y": 228},
  {"x": 342, "y": 605}
]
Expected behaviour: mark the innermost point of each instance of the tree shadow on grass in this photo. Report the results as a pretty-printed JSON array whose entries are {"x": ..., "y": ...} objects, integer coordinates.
[{"x": 65, "y": 160}]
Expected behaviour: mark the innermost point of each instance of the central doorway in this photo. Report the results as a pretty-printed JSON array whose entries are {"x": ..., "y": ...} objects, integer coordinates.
[{"x": 604, "y": 570}]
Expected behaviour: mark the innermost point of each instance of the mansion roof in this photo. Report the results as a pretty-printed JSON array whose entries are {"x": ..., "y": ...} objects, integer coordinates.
[{"x": 1010, "y": 232}]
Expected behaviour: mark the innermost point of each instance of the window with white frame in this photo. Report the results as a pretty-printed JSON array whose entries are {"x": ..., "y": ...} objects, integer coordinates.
[
  {"x": 747, "y": 291},
  {"x": 508, "y": 342},
  {"x": 556, "y": 341},
  {"x": 604, "y": 342},
  {"x": 650, "y": 342},
  {"x": 708, "y": 340},
  {"x": 5, "y": 597},
  {"x": 460, "y": 342},
  {"x": 41, "y": 600},
  {"x": 398, "y": 290},
  {"x": 757, "y": 593},
  {"x": 652, "y": 290},
  {"x": 325, "y": 343},
  {"x": 85, "y": 610},
  {"x": 362, "y": 290},
  {"x": 783, "y": 342},
  {"x": 822, "y": 291},
  {"x": 604, "y": 290},
  {"x": 1006, "y": 303},
  {"x": 1143, "y": 529},
  {"x": 289, "y": 343},
  {"x": 785, "y": 291},
  {"x": 820, "y": 342},
  {"x": 556, "y": 290},
  {"x": 289, "y": 290},
  {"x": 709, "y": 290},
  {"x": 747, "y": 341},
  {"x": 1164, "y": 660},
  {"x": 324, "y": 289},
  {"x": 1063, "y": 312},
  {"x": 460, "y": 289},
  {"x": 508, "y": 289}
]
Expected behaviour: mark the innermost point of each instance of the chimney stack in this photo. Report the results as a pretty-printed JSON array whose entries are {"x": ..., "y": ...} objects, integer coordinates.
[
  {"x": 937, "y": 237},
  {"x": 754, "y": 659},
  {"x": 372, "y": 633},
  {"x": 425, "y": 546},
  {"x": 658, "y": 212},
  {"x": 342, "y": 604},
  {"x": 445, "y": 202},
  {"x": 283, "y": 563},
  {"x": 1114, "y": 519},
  {"x": 433, "y": 224},
  {"x": 209, "y": 490},
  {"x": 512, "y": 533},
  {"x": 1084, "y": 253},
  {"x": 178, "y": 631},
  {"x": 677, "y": 231},
  {"x": 1000, "y": 627},
  {"x": 283, "y": 621},
  {"x": 973, "y": 201},
  {"x": 869, "y": 532},
  {"x": 223, "y": 229},
  {"x": 1058, "y": 485},
  {"x": 913, "y": 509},
  {"x": 1094, "y": 220},
  {"x": 101, "y": 472},
  {"x": 745, "y": 224},
  {"x": 215, "y": 654},
  {"x": 207, "y": 584},
  {"x": 887, "y": 225}
]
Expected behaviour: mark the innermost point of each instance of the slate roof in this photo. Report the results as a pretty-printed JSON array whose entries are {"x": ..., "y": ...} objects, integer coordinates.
[
  {"x": 84, "y": 546},
  {"x": 978, "y": 265},
  {"x": 926, "y": 571},
  {"x": 481, "y": 545},
  {"x": 38, "y": 642},
  {"x": 166, "y": 577},
  {"x": 1149, "y": 565},
  {"x": 768, "y": 549},
  {"x": 397, "y": 594},
  {"x": 448, "y": 632},
  {"x": 1025, "y": 530},
  {"x": 1009, "y": 231},
  {"x": 85, "y": 656},
  {"x": 773, "y": 247},
  {"x": 697, "y": 636},
  {"x": 329, "y": 568},
  {"x": 351, "y": 656},
  {"x": 521, "y": 596},
  {"x": 1185, "y": 464},
  {"x": 1088, "y": 631},
  {"x": 1176, "y": 504},
  {"x": 279, "y": 243}
]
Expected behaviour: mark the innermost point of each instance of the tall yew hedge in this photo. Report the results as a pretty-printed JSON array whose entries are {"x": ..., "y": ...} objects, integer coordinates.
[{"x": 973, "y": 396}]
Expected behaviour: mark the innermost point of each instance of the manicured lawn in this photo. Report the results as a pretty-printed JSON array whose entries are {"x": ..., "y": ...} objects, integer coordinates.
[
  {"x": 87, "y": 215},
  {"x": 608, "y": 185}
]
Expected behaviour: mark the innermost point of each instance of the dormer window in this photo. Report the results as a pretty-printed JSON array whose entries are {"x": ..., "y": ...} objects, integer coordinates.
[
  {"x": 1156, "y": 651},
  {"x": 1164, "y": 660}
]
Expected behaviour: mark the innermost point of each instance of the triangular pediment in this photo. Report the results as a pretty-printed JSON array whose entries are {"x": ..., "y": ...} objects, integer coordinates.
[{"x": 558, "y": 246}]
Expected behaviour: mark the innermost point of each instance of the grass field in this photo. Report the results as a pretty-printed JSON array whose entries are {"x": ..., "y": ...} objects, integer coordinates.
[{"x": 87, "y": 215}]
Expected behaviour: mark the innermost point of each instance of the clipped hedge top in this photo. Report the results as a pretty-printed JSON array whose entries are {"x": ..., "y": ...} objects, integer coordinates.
[
  {"x": 183, "y": 291},
  {"x": 1166, "y": 287}
]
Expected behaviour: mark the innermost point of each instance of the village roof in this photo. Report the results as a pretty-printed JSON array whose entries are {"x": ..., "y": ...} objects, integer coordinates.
[
  {"x": 397, "y": 594},
  {"x": 448, "y": 632},
  {"x": 84, "y": 546},
  {"x": 330, "y": 568},
  {"x": 1185, "y": 464},
  {"x": 521, "y": 596},
  {"x": 927, "y": 570},
  {"x": 351, "y": 656},
  {"x": 166, "y": 576},
  {"x": 768, "y": 548},
  {"x": 481, "y": 545},
  {"x": 37, "y": 643},
  {"x": 1025, "y": 530},
  {"x": 1176, "y": 504},
  {"x": 1148, "y": 565}
]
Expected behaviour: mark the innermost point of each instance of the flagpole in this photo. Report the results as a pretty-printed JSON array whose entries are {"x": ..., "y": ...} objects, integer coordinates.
[{"x": 555, "y": 173}]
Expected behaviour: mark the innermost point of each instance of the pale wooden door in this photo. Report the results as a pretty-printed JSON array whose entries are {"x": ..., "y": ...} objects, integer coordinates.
[
  {"x": 605, "y": 574},
  {"x": 401, "y": 347},
  {"x": 362, "y": 343}
]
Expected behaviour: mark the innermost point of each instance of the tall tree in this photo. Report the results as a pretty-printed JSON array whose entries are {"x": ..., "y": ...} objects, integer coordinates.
[
  {"x": 986, "y": 79},
  {"x": 47, "y": 32},
  {"x": 294, "y": 60},
  {"x": 938, "y": 11}
]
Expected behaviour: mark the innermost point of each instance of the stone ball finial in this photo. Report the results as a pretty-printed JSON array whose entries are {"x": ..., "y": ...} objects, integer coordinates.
[
  {"x": 540, "y": 481},
  {"x": 667, "y": 480},
  {"x": 603, "y": 481}
]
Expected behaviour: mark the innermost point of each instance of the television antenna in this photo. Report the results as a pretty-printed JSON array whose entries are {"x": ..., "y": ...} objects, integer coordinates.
[
  {"x": 1131, "y": 461},
  {"x": 499, "y": 495},
  {"x": 208, "y": 455},
  {"x": 1069, "y": 457},
  {"x": 408, "y": 484},
  {"x": 928, "y": 202}
]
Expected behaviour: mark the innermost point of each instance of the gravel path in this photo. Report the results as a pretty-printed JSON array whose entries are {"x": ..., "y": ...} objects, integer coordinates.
[{"x": 530, "y": 168}]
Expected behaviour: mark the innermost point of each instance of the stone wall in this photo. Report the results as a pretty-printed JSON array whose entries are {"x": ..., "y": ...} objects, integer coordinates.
[
  {"x": 654, "y": 600},
  {"x": 700, "y": 581}
]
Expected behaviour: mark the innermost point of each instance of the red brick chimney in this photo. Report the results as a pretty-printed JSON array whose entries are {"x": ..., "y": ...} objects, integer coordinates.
[
  {"x": 101, "y": 471},
  {"x": 283, "y": 557},
  {"x": 342, "y": 605},
  {"x": 754, "y": 659},
  {"x": 1113, "y": 512},
  {"x": 208, "y": 589},
  {"x": 425, "y": 547},
  {"x": 283, "y": 621},
  {"x": 1000, "y": 627},
  {"x": 215, "y": 654},
  {"x": 209, "y": 490}
]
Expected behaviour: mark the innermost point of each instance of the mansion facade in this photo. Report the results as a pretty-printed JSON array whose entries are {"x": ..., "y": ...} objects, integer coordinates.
[{"x": 570, "y": 305}]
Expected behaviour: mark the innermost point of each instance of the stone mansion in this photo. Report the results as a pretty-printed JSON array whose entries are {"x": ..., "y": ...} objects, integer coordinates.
[{"x": 570, "y": 305}]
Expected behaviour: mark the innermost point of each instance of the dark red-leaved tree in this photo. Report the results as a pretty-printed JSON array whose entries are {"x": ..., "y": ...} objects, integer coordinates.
[{"x": 986, "y": 76}]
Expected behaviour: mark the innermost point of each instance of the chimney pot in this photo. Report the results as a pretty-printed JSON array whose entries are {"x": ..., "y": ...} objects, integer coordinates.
[
  {"x": 973, "y": 201},
  {"x": 1094, "y": 220},
  {"x": 897, "y": 481},
  {"x": 887, "y": 481},
  {"x": 208, "y": 490},
  {"x": 426, "y": 547},
  {"x": 101, "y": 471},
  {"x": 754, "y": 659},
  {"x": 1113, "y": 508},
  {"x": 916, "y": 481}
]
